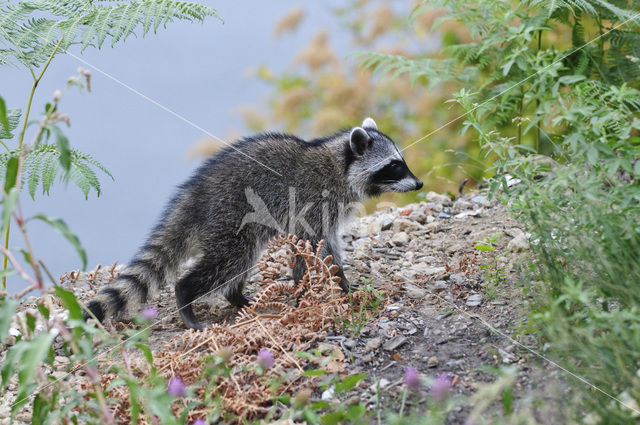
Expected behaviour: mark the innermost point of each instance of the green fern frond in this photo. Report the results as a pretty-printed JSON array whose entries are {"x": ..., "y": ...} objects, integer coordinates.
[
  {"x": 572, "y": 6},
  {"x": 434, "y": 70},
  {"x": 582, "y": 66},
  {"x": 623, "y": 38},
  {"x": 577, "y": 33},
  {"x": 13, "y": 116},
  {"x": 42, "y": 166},
  {"x": 88, "y": 23}
]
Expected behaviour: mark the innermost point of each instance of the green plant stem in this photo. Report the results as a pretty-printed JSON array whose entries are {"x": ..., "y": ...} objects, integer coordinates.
[
  {"x": 36, "y": 80},
  {"x": 404, "y": 400},
  {"x": 538, "y": 100},
  {"x": 32, "y": 260},
  {"x": 46, "y": 270},
  {"x": 520, "y": 117}
]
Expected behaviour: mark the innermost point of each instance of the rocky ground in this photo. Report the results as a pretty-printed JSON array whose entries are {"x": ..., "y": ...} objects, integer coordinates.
[{"x": 450, "y": 308}]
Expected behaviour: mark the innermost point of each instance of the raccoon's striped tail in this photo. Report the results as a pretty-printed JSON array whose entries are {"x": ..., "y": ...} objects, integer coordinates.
[{"x": 124, "y": 296}]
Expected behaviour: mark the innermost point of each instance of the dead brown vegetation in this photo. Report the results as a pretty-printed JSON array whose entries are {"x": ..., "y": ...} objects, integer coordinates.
[{"x": 284, "y": 318}]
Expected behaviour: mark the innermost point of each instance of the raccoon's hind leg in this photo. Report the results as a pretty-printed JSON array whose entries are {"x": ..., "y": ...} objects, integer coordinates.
[
  {"x": 195, "y": 283},
  {"x": 209, "y": 276}
]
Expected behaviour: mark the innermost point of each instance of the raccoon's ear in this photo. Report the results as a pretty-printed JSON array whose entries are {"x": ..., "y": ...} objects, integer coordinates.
[
  {"x": 359, "y": 140},
  {"x": 369, "y": 123}
]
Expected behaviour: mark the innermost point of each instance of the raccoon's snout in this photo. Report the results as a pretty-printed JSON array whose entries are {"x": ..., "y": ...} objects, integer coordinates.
[{"x": 419, "y": 184}]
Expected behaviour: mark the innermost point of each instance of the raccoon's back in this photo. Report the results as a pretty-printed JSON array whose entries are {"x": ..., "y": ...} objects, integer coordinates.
[{"x": 270, "y": 164}]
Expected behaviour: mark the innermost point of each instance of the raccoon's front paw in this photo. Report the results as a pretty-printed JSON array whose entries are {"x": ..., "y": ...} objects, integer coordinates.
[
  {"x": 195, "y": 325},
  {"x": 198, "y": 326},
  {"x": 347, "y": 286},
  {"x": 344, "y": 282}
]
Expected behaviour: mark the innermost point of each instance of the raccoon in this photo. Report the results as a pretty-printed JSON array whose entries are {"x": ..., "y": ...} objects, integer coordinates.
[{"x": 220, "y": 219}]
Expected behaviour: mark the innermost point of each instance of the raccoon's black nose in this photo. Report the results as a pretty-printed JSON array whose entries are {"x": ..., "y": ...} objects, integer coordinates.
[{"x": 419, "y": 184}]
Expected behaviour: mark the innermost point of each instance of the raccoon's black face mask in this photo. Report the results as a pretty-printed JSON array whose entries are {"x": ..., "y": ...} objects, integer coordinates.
[{"x": 378, "y": 166}]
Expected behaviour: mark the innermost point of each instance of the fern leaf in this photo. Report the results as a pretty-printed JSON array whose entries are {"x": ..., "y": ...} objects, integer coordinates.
[
  {"x": 89, "y": 23},
  {"x": 33, "y": 171},
  {"x": 13, "y": 116},
  {"x": 90, "y": 160},
  {"x": 393, "y": 65},
  {"x": 42, "y": 166},
  {"x": 50, "y": 166}
]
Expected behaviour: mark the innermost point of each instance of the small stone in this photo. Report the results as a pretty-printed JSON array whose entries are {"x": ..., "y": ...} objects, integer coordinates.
[
  {"x": 419, "y": 216},
  {"x": 406, "y": 225},
  {"x": 362, "y": 251},
  {"x": 59, "y": 374},
  {"x": 374, "y": 227},
  {"x": 507, "y": 357},
  {"x": 421, "y": 269},
  {"x": 414, "y": 292},
  {"x": 438, "y": 198},
  {"x": 461, "y": 205},
  {"x": 373, "y": 344},
  {"x": 400, "y": 239},
  {"x": 434, "y": 207},
  {"x": 385, "y": 222},
  {"x": 514, "y": 232},
  {"x": 382, "y": 383},
  {"x": 440, "y": 284},
  {"x": 61, "y": 362},
  {"x": 480, "y": 199},
  {"x": 519, "y": 243},
  {"x": 350, "y": 344},
  {"x": 395, "y": 343},
  {"x": 444, "y": 215},
  {"x": 474, "y": 300},
  {"x": 470, "y": 213},
  {"x": 432, "y": 361},
  {"x": 458, "y": 277},
  {"x": 433, "y": 227}
]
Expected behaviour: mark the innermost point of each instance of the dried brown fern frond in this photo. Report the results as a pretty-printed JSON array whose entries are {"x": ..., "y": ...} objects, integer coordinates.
[{"x": 284, "y": 318}]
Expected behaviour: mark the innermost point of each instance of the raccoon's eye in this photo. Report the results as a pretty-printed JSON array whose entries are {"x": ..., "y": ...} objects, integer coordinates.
[{"x": 394, "y": 165}]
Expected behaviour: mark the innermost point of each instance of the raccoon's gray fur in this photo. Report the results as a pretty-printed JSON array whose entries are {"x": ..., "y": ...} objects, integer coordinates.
[{"x": 215, "y": 226}]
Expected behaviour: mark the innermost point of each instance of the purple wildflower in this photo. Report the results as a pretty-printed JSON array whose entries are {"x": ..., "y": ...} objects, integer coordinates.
[
  {"x": 149, "y": 313},
  {"x": 440, "y": 388},
  {"x": 176, "y": 387},
  {"x": 199, "y": 421},
  {"x": 265, "y": 358},
  {"x": 412, "y": 379}
]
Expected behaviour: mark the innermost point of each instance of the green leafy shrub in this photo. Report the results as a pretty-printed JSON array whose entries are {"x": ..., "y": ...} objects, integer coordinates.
[
  {"x": 371, "y": 301},
  {"x": 550, "y": 89},
  {"x": 493, "y": 273}
]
